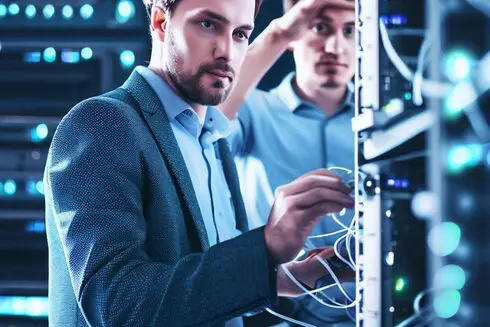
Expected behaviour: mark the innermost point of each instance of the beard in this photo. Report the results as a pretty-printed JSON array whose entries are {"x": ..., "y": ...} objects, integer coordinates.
[
  {"x": 189, "y": 85},
  {"x": 332, "y": 84},
  {"x": 333, "y": 80}
]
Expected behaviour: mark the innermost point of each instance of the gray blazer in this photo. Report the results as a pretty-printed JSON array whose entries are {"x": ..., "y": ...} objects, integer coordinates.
[{"x": 127, "y": 242}]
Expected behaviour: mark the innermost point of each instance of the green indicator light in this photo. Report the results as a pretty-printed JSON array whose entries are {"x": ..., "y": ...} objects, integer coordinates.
[{"x": 400, "y": 284}]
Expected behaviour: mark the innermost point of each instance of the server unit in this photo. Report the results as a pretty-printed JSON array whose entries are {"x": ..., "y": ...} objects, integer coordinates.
[{"x": 422, "y": 124}]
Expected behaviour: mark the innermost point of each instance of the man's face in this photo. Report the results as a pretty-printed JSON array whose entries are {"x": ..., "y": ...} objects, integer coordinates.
[
  {"x": 325, "y": 55},
  {"x": 204, "y": 47}
]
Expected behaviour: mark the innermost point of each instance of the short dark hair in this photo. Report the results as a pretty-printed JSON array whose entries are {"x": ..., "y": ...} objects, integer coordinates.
[{"x": 170, "y": 4}]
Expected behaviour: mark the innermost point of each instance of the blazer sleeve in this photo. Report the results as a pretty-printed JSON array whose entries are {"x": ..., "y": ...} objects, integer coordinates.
[{"x": 95, "y": 178}]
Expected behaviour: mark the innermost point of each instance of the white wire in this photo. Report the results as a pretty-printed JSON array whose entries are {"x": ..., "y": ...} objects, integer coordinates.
[
  {"x": 334, "y": 276},
  {"x": 418, "y": 77},
  {"x": 328, "y": 234},
  {"x": 347, "y": 244},
  {"x": 336, "y": 306},
  {"x": 334, "y": 217},
  {"x": 340, "y": 168},
  {"x": 428, "y": 87},
  {"x": 392, "y": 54},
  {"x": 294, "y": 321},
  {"x": 321, "y": 289},
  {"x": 341, "y": 257}
]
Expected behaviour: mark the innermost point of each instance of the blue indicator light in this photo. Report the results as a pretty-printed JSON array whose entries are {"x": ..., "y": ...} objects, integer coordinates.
[
  {"x": 10, "y": 187},
  {"x": 32, "y": 57},
  {"x": 3, "y": 11},
  {"x": 127, "y": 59},
  {"x": 67, "y": 12},
  {"x": 23, "y": 306},
  {"x": 125, "y": 10},
  {"x": 87, "y": 53},
  {"x": 31, "y": 11},
  {"x": 35, "y": 227},
  {"x": 48, "y": 11},
  {"x": 14, "y": 9},
  {"x": 86, "y": 11},
  {"x": 70, "y": 57},
  {"x": 39, "y": 133}
]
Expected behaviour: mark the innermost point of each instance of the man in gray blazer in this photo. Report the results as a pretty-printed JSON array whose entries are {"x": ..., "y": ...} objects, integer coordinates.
[{"x": 145, "y": 222}]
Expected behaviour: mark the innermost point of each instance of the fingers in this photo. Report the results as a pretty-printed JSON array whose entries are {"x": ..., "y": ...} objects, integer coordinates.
[
  {"x": 310, "y": 7},
  {"x": 318, "y": 195},
  {"x": 312, "y": 180},
  {"x": 317, "y": 211}
]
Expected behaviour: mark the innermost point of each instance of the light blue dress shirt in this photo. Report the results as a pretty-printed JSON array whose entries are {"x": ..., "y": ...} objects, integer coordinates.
[
  {"x": 196, "y": 143},
  {"x": 277, "y": 137}
]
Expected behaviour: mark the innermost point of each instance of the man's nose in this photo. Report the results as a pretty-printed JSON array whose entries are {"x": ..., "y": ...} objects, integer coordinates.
[
  {"x": 335, "y": 44},
  {"x": 224, "y": 48}
]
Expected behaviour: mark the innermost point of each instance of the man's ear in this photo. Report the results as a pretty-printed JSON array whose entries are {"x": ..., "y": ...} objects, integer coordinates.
[{"x": 158, "y": 22}]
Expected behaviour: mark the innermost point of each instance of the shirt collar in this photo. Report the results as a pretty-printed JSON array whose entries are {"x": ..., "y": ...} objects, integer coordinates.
[
  {"x": 175, "y": 107},
  {"x": 216, "y": 126},
  {"x": 293, "y": 101},
  {"x": 215, "y": 123}
]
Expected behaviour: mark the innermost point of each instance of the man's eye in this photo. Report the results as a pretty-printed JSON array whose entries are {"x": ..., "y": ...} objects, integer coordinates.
[
  {"x": 241, "y": 35},
  {"x": 349, "y": 31},
  {"x": 319, "y": 27},
  {"x": 206, "y": 24}
]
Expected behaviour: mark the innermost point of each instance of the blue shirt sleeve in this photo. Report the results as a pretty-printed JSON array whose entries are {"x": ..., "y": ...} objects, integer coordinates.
[{"x": 242, "y": 137}]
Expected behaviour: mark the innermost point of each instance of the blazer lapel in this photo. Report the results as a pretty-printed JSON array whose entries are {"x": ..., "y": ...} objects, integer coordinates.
[
  {"x": 157, "y": 120},
  {"x": 231, "y": 175}
]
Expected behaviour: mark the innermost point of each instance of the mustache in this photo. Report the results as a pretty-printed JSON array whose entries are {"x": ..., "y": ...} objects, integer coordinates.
[
  {"x": 329, "y": 57},
  {"x": 224, "y": 67}
]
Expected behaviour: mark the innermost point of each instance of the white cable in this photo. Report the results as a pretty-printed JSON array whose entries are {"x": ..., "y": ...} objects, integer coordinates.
[
  {"x": 340, "y": 168},
  {"x": 428, "y": 87},
  {"x": 347, "y": 245},
  {"x": 418, "y": 299},
  {"x": 336, "y": 306},
  {"x": 392, "y": 54},
  {"x": 334, "y": 276},
  {"x": 418, "y": 77},
  {"x": 328, "y": 234},
  {"x": 294, "y": 321},
  {"x": 337, "y": 253},
  {"x": 334, "y": 217},
  {"x": 321, "y": 289}
]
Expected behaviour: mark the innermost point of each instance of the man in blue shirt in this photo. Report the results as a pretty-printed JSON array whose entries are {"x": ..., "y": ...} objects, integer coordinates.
[
  {"x": 304, "y": 123},
  {"x": 145, "y": 222}
]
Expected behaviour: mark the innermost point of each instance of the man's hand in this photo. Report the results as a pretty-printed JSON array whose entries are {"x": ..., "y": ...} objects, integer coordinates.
[
  {"x": 295, "y": 22},
  {"x": 308, "y": 272},
  {"x": 297, "y": 208}
]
